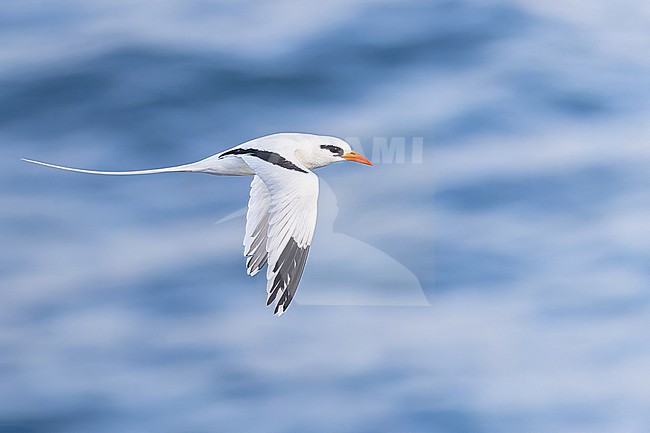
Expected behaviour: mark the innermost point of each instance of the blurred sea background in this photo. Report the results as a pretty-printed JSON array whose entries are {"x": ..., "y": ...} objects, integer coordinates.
[{"x": 125, "y": 308}]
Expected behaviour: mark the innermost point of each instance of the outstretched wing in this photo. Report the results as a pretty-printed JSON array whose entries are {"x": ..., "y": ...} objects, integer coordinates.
[
  {"x": 292, "y": 209},
  {"x": 257, "y": 221}
]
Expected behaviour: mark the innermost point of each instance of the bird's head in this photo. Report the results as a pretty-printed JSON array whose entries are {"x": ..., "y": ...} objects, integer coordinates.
[{"x": 317, "y": 151}]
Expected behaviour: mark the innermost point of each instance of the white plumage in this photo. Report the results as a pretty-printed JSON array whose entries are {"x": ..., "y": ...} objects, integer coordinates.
[{"x": 283, "y": 200}]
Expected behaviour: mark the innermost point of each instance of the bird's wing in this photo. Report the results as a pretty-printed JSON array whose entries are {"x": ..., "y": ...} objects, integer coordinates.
[
  {"x": 257, "y": 221},
  {"x": 292, "y": 209}
]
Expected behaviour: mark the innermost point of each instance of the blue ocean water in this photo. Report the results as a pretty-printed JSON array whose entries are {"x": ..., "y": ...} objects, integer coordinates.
[{"x": 510, "y": 262}]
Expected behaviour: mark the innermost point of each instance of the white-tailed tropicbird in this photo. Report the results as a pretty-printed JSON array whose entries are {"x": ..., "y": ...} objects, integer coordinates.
[{"x": 282, "y": 208}]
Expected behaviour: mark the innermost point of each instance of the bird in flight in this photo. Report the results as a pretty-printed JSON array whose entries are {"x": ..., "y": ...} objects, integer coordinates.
[{"x": 282, "y": 208}]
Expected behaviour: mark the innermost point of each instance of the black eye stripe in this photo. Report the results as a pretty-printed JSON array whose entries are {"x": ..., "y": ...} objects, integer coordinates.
[{"x": 334, "y": 149}]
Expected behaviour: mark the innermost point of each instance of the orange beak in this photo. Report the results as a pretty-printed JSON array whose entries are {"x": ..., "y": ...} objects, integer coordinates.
[{"x": 353, "y": 156}]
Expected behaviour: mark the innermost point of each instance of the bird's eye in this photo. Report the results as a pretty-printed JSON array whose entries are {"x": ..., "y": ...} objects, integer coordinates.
[{"x": 334, "y": 149}]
